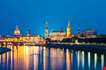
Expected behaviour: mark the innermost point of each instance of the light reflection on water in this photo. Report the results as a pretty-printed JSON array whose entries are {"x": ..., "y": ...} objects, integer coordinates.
[
  {"x": 95, "y": 61},
  {"x": 41, "y": 58},
  {"x": 102, "y": 61},
  {"x": 89, "y": 60}
]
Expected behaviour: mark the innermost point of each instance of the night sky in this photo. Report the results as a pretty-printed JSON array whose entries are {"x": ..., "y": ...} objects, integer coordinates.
[{"x": 32, "y": 14}]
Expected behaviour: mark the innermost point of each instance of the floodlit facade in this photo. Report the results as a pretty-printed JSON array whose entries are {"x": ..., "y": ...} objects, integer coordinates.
[
  {"x": 17, "y": 31},
  {"x": 57, "y": 35}
]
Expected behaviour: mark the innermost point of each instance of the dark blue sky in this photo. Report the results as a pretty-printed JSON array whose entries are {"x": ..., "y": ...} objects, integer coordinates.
[{"x": 33, "y": 13}]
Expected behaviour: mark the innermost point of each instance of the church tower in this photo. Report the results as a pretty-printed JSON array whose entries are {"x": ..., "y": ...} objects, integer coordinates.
[
  {"x": 17, "y": 31},
  {"x": 69, "y": 34},
  {"x": 46, "y": 30}
]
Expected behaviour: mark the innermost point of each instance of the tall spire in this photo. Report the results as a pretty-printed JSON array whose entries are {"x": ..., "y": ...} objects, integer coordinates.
[
  {"x": 69, "y": 34},
  {"x": 78, "y": 35},
  {"x": 17, "y": 31},
  {"x": 46, "y": 30}
]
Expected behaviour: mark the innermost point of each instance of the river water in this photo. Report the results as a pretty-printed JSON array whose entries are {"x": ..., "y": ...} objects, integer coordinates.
[{"x": 41, "y": 58}]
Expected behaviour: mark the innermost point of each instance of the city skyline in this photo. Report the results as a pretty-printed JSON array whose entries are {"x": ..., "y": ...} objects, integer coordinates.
[
  {"x": 27, "y": 28},
  {"x": 33, "y": 14}
]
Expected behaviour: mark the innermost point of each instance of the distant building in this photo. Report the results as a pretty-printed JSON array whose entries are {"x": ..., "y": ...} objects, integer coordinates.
[
  {"x": 36, "y": 39},
  {"x": 60, "y": 34},
  {"x": 46, "y": 30},
  {"x": 28, "y": 33},
  {"x": 57, "y": 35},
  {"x": 17, "y": 31},
  {"x": 89, "y": 32},
  {"x": 68, "y": 33}
]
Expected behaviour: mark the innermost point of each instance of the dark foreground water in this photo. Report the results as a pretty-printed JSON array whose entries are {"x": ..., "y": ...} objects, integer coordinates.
[{"x": 41, "y": 58}]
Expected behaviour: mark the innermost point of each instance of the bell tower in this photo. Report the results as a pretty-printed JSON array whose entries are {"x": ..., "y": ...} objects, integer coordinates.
[{"x": 69, "y": 33}]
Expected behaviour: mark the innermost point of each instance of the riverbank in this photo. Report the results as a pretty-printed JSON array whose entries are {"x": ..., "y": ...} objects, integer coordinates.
[
  {"x": 87, "y": 47},
  {"x": 3, "y": 50}
]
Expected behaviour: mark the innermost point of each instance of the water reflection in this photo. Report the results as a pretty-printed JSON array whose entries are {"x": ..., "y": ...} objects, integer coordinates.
[
  {"x": 68, "y": 59},
  {"x": 45, "y": 59},
  {"x": 102, "y": 61},
  {"x": 78, "y": 59},
  {"x": 41, "y": 58},
  {"x": 89, "y": 60},
  {"x": 83, "y": 60},
  {"x": 95, "y": 60}
]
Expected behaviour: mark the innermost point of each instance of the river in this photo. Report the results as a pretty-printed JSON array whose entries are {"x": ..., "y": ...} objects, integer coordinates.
[{"x": 41, "y": 58}]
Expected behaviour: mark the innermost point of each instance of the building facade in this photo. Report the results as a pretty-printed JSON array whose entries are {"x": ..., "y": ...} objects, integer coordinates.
[{"x": 57, "y": 35}]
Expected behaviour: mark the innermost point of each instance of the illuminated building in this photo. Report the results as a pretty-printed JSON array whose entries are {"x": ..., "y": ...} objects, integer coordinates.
[
  {"x": 57, "y": 35},
  {"x": 60, "y": 34},
  {"x": 27, "y": 39},
  {"x": 68, "y": 33},
  {"x": 32, "y": 39},
  {"x": 88, "y": 32},
  {"x": 17, "y": 31}
]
